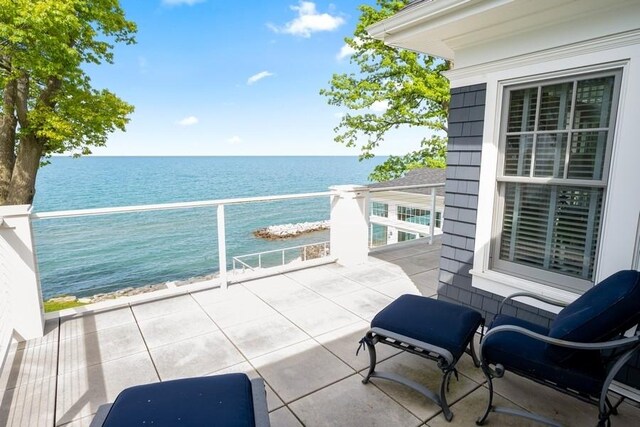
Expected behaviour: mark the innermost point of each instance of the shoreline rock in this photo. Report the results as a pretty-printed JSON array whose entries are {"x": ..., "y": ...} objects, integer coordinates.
[
  {"x": 129, "y": 291},
  {"x": 286, "y": 231}
]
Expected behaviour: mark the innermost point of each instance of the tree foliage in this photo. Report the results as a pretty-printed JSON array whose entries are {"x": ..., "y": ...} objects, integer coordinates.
[
  {"x": 48, "y": 103},
  {"x": 409, "y": 84}
]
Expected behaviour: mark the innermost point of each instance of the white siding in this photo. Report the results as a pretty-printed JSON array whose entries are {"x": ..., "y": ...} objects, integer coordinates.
[{"x": 6, "y": 327}]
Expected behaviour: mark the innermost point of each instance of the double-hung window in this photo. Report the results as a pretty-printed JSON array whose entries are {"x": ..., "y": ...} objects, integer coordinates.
[
  {"x": 556, "y": 140},
  {"x": 379, "y": 209}
]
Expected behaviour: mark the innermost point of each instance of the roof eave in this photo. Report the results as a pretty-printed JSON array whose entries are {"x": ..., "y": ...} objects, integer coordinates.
[{"x": 394, "y": 30}]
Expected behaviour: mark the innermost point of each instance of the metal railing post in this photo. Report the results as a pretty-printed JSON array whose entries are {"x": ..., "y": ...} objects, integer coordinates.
[
  {"x": 432, "y": 219},
  {"x": 283, "y": 257},
  {"x": 222, "y": 248}
]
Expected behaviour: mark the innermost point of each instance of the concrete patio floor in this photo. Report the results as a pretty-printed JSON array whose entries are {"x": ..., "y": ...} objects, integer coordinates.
[{"x": 299, "y": 331}]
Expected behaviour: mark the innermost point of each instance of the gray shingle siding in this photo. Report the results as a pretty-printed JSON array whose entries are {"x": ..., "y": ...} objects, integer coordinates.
[{"x": 466, "y": 124}]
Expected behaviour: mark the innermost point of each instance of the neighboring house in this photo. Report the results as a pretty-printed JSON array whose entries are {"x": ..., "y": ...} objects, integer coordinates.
[
  {"x": 405, "y": 213},
  {"x": 542, "y": 166}
]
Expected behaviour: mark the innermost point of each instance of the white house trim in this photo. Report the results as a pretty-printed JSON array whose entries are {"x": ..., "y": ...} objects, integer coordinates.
[
  {"x": 478, "y": 73},
  {"x": 616, "y": 246}
]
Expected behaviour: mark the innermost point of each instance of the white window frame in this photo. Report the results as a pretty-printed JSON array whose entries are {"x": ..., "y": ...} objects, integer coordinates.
[
  {"x": 550, "y": 277},
  {"x": 497, "y": 77},
  {"x": 374, "y": 210},
  {"x": 408, "y": 215}
]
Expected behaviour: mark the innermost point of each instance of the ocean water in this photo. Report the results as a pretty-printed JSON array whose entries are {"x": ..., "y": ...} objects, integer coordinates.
[{"x": 88, "y": 255}]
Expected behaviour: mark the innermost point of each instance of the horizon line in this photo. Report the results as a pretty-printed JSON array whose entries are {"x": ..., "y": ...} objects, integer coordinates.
[{"x": 215, "y": 155}]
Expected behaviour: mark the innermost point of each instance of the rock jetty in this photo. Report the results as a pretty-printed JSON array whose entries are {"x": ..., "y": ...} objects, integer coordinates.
[{"x": 285, "y": 231}]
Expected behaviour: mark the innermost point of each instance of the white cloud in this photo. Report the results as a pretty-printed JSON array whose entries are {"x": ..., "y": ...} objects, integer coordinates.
[
  {"x": 181, "y": 2},
  {"x": 347, "y": 50},
  {"x": 189, "y": 121},
  {"x": 257, "y": 77},
  {"x": 379, "y": 106},
  {"x": 235, "y": 140},
  {"x": 339, "y": 114},
  {"x": 308, "y": 21}
]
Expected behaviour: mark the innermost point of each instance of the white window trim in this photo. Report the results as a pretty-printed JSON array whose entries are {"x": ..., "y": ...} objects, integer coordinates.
[
  {"x": 482, "y": 276},
  {"x": 550, "y": 276}
]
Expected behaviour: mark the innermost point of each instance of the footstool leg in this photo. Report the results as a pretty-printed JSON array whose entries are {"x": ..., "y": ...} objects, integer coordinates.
[
  {"x": 443, "y": 396},
  {"x": 372, "y": 357}
]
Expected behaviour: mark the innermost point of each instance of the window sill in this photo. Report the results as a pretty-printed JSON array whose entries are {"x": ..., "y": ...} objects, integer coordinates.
[{"x": 504, "y": 285}]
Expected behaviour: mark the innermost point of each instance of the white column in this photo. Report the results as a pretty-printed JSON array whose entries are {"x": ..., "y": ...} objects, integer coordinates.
[
  {"x": 349, "y": 235},
  {"x": 392, "y": 231},
  {"x": 432, "y": 216},
  {"x": 21, "y": 272}
]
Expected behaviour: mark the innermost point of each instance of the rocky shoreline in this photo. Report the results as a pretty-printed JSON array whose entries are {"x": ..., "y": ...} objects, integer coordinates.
[
  {"x": 286, "y": 231},
  {"x": 128, "y": 292}
]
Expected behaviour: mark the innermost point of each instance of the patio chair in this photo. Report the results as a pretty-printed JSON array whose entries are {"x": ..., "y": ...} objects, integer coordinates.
[
  {"x": 579, "y": 355},
  {"x": 230, "y": 400}
]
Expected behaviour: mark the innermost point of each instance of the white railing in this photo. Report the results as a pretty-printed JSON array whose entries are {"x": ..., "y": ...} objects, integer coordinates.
[
  {"x": 432, "y": 208},
  {"x": 348, "y": 245},
  {"x": 218, "y": 204},
  {"x": 242, "y": 263}
]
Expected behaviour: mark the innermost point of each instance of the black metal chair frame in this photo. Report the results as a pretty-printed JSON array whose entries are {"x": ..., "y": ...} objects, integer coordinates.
[
  {"x": 627, "y": 346},
  {"x": 442, "y": 356}
]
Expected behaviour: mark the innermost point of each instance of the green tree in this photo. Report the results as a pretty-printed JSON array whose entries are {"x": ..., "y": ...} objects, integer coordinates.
[
  {"x": 409, "y": 84},
  {"x": 48, "y": 103}
]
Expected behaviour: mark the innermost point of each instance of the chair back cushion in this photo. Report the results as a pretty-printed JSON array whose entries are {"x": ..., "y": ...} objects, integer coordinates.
[{"x": 600, "y": 314}]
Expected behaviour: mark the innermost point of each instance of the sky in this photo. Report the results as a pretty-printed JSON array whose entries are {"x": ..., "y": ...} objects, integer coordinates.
[{"x": 215, "y": 78}]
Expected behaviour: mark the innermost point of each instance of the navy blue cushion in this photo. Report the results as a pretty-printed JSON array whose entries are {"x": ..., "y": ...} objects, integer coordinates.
[
  {"x": 600, "y": 314},
  {"x": 525, "y": 355},
  {"x": 439, "y": 323},
  {"x": 222, "y": 400}
]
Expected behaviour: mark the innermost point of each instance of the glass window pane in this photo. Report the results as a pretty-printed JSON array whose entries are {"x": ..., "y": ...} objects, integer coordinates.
[
  {"x": 413, "y": 215},
  {"x": 586, "y": 156},
  {"x": 593, "y": 103},
  {"x": 576, "y": 229},
  {"x": 378, "y": 235},
  {"x": 524, "y": 224},
  {"x": 551, "y": 149},
  {"x": 403, "y": 236},
  {"x": 517, "y": 161},
  {"x": 555, "y": 106},
  {"x": 379, "y": 209},
  {"x": 522, "y": 110},
  {"x": 551, "y": 227}
]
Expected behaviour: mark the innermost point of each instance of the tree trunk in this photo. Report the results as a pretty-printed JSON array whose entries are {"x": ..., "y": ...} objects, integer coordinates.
[
  {"x": 23, "y": 180},
  {"x": 8, "y": 123}
]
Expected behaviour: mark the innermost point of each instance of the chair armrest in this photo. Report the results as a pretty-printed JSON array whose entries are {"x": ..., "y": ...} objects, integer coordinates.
[
  {"x": 533, "y": 296},
  {"x": 606, "y": 345}
]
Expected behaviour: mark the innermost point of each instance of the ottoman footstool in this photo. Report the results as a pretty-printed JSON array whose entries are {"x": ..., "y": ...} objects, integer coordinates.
[{"x": 436, "y": 330}]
